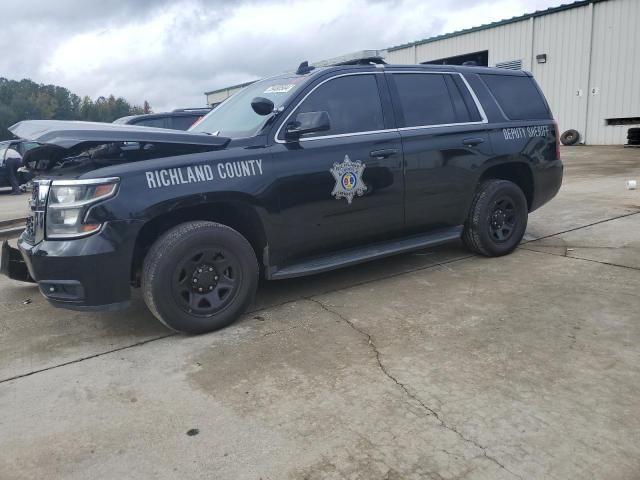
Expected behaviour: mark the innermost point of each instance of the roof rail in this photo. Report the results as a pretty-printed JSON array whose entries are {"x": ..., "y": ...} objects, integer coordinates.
[{"x": 363, "y": 57}]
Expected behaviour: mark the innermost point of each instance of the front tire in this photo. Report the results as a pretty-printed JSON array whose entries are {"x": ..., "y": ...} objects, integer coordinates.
[
  {"x": 199, "y": 277},
  {"x": 497, "y": 218}
]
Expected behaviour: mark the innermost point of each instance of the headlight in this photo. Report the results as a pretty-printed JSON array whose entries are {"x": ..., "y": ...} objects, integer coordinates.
[{"x": 69, "y": 202}]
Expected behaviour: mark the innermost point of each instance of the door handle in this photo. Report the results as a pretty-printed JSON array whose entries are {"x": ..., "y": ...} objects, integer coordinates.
[
  {"x": 384, "y": 153},
  {"x": 472, "y": 142}
]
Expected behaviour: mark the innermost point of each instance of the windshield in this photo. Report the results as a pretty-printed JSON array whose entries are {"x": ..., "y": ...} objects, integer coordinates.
[{"x": 234, "y": 118}]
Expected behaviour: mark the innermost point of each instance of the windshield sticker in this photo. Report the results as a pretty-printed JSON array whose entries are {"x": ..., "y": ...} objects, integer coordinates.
[
  {"x": 348, "y": 177},
  {"x": 280, "y": 88},
  {"x": 528, "y": 132},
  {"x": 203, "y": 173}
]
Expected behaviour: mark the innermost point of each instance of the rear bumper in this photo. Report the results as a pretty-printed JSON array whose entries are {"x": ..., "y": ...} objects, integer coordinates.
[
  {"x": 91, "y": 273},
  {"x": 547, "y": 182}
]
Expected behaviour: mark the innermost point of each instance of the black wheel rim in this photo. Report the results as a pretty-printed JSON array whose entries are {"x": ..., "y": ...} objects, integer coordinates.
[
  {"x": 206, "y": 282},
  {"x": 502, "y": 220}
]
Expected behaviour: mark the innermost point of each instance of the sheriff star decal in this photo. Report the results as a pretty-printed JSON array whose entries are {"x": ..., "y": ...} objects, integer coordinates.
[{"x": 348, "y": 176}]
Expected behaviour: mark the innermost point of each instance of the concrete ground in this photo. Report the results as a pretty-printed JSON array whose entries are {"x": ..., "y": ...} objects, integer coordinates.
[{"x": 437, "y": 364}]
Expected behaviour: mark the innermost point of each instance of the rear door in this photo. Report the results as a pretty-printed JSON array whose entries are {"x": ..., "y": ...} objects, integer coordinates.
[
  {"x": 341, "y": 187},
  {"x": 444, "y": 138}
]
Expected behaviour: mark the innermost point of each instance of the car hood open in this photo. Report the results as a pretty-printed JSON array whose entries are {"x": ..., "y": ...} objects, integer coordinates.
[{"x": 69, "y": 134}]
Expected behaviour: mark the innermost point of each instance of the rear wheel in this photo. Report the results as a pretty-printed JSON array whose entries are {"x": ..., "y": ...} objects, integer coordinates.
[
  {"x": 497, "y": 218},
  {"x": 199, "y": 277}
]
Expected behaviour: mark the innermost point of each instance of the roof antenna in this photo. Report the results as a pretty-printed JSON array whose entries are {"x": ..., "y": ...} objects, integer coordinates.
[{"x": 304, "y": 68}]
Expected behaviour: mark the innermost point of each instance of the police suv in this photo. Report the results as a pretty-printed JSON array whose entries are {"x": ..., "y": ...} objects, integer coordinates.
[{"x": 296, "y": 174}]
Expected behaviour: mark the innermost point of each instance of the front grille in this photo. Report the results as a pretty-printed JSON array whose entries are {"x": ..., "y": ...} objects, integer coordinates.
[{"x": 34, "y": 230}]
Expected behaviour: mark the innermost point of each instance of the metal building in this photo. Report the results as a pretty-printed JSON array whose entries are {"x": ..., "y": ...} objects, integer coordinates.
[
  {"x": 585, "y": 55},
  {"x": 215, "y": 97}
]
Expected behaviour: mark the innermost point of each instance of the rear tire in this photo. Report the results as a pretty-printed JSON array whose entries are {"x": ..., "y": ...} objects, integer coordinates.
[
  {"x": 497, "y": 218},
  {"x": 199, "y": 277}
]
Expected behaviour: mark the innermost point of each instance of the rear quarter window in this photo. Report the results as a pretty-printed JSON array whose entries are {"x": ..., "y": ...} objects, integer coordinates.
[{"x": 518, "y": 97}]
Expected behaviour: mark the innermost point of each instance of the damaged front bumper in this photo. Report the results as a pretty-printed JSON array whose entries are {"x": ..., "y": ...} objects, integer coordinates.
[
  {"x": 88, "y": 274},
  {"x": 13, "y": 265}
]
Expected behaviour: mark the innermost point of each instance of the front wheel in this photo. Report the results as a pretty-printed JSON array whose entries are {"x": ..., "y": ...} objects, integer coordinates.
[
  {"x": 497, "y": 218},
  {"x": 199, "y": 277}
]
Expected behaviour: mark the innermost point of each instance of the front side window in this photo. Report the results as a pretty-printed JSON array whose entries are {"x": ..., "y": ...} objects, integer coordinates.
[
  {"x": 352, "y": 102},
  {"x": 424, "y": 99}
]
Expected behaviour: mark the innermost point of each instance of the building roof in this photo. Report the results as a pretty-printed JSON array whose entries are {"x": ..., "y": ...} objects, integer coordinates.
[
  {"x": 240, "y": 85},
  {"x": 526, "y": 16}
]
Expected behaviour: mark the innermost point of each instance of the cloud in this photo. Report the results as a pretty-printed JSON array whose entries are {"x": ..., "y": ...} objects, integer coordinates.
[{"x": 170, "y": 52}]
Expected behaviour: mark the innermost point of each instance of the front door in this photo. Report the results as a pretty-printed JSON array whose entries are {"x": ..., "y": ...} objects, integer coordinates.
[{"x": 342, "y": 187}]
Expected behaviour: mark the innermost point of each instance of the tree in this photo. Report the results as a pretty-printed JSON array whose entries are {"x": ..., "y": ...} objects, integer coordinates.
[{"x": 27, "y": 100}]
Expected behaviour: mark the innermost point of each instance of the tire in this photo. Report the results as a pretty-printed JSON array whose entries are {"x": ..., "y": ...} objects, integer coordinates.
[
  {"x": 199, "y": 277},
  {"x": 634, "y": 130},
  {"x": 482, "y": 229},
  {"x": 570, "y": 137}
]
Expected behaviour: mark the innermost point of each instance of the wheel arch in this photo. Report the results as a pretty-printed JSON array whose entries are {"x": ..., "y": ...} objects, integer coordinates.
[
  {"x": 518, "y": 172},
  {"x": 238, "y": 213}
]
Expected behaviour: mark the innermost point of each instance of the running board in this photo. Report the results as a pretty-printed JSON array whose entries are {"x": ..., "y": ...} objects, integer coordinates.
[{"x": 353, "y": 256}]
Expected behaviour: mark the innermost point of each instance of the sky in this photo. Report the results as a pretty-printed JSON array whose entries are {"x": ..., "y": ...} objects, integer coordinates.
[{"x": 169, "y": 52}]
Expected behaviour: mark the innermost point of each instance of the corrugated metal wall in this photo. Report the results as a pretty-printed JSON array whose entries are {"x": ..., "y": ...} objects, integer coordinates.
[
  {"x": 593, "y": 62},
  {"x": 615, "y": 69},
  {"x": 564, "y": 37},
  {"x": 507, "y": 42}
]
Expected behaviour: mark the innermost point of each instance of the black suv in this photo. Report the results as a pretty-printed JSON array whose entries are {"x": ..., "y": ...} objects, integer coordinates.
[
  {"x": 179, "y": 119},
  {"x": 294, "y": 175}
]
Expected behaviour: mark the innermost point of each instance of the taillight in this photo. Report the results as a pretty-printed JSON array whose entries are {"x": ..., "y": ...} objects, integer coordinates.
[{"x": 557, "y": 140}]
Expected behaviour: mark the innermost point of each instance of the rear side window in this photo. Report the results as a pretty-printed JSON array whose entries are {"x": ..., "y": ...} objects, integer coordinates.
[
  {"x": 352, "y": 102},
  {"x": 152, "y": 122},
  {"x": 183, "y": 122},
  {"x": 426, "y": 99},
  {"x": 518, "y": 97}
]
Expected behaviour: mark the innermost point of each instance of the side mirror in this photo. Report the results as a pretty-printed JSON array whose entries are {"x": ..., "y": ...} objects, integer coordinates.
[
  {"x": 308, "y": 123},
  {"x": 262, "y": 106}
]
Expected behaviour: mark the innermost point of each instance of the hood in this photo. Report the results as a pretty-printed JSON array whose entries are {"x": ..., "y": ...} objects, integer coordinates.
[
  {"x": 65, "y": 145},
  {"x": 67, "y": 134}
]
